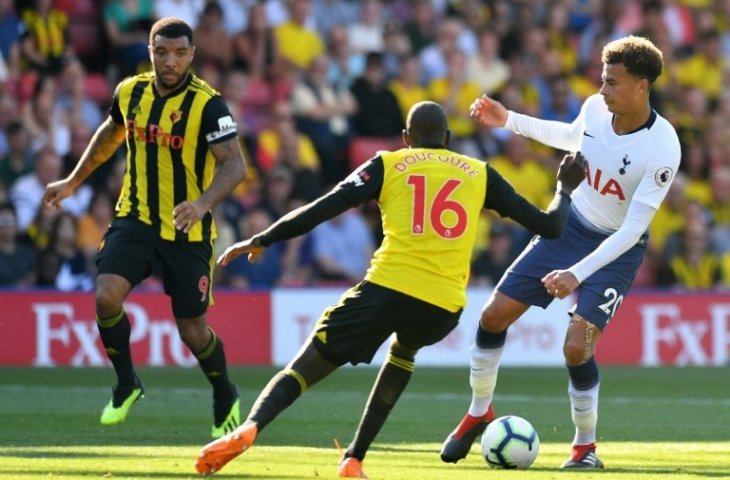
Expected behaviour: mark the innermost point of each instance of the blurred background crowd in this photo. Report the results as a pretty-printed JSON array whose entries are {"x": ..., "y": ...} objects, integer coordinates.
[{"x": 317, "y": 86}]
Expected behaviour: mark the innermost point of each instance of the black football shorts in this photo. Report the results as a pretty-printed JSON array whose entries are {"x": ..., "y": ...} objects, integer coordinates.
[
  {"x": 367, "y": 314},
  {"x": 132, "y": 249}
]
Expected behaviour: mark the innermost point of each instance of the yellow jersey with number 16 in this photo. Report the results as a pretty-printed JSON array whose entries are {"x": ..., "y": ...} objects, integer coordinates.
[{"x": 430, "y": 203}]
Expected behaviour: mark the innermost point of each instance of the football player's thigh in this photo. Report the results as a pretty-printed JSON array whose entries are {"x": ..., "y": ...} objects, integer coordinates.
[
  {"x": 187, "y": 275},
  {"x": 424, "y": 324},
  {"x": 126, "y": 251},
  {"x": 353, "y": 330},
  {"x": 601, "y": 294}
]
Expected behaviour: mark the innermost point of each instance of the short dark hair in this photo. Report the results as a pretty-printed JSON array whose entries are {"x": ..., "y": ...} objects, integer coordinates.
[
  {"x": 427, "y": 123},
  {"x": 171, "y": 27},
  {"x": 8, "y": 206},
  {"x": 639, "y": 55},
  {"x": 213, "y": 7},
  {"x": 14, "y": 127},
  {"x": 374, "y": 59}
]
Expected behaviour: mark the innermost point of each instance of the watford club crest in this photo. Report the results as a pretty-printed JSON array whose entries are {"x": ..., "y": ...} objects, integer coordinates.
[{"x": 176, "y": 116}]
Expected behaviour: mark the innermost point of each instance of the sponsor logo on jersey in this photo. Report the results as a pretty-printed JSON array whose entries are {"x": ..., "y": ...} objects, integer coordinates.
[
  {"x": 603, "y": 186},
  {"x": 663, "y": 176},
  {"x": 152, "y": 133}
]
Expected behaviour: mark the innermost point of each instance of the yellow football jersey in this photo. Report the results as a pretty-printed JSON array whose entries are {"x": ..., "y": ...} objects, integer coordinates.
[{"x": 430, "y": 203}]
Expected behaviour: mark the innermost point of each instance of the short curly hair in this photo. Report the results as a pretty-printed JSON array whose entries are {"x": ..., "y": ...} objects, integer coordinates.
[
  {"x": 639, "y": 55},
  {"x": 171, "y": 27}
]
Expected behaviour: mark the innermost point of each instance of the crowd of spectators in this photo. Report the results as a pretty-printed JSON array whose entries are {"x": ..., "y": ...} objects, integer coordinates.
[{"x": 317, "y": 86}]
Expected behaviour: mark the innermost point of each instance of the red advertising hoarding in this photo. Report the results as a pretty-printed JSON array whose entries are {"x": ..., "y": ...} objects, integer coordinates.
[
  {"x": 669, "y": 329},
  {"x": 51, "y": 328}
]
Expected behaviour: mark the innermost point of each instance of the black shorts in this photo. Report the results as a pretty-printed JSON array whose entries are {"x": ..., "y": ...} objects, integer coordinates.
[
  {"x": 367, "y": 314},
  {"x": 132, "y": 250}
]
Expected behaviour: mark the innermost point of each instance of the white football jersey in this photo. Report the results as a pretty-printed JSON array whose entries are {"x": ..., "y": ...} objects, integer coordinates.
[{"x": 621, "y": 168}]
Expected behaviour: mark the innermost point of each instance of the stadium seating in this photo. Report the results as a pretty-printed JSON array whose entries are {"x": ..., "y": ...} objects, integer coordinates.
[
  {"x": 97, "y": 88},
  {"x": 363, "y": 148},
  {"x": 85, "y": 27}
]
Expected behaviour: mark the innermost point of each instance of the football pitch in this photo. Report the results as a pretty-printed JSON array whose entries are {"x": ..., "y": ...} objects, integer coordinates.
[{"x": 668, "y": 423}]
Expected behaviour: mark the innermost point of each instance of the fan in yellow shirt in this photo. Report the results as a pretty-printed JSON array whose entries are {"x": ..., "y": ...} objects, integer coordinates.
[
  {"x": 407, "y": 86},
  {"x": 298, "y": 44}
]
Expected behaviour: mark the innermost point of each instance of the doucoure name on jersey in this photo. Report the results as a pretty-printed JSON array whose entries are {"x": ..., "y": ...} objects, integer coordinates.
[
  {"x": 152, "y": 133},
  {"x": 454, "y": 160}
]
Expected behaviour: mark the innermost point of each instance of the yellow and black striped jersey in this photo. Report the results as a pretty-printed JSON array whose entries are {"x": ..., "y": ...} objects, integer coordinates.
[
  {"x": 168, "y": 159},
  {"x": 49, "y": 33},
  {"x": 430, "y": 202},
  {"x": 704, "y": 274}
]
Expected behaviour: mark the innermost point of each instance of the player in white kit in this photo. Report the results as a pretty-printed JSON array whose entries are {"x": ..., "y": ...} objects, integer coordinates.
[{"x": 632, "y": 155}]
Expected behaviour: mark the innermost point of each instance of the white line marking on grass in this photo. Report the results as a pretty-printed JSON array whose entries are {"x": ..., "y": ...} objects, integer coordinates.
[
  {"x": 442, "y": 397},
  {"x": 696, "y": 401}
]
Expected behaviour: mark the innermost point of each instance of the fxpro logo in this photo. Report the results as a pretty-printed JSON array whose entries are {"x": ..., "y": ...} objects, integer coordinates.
[
  {"x": 154, "y": 134},
  {"x": 669, "y": 337},
  {"x": 63, "y": 338}
]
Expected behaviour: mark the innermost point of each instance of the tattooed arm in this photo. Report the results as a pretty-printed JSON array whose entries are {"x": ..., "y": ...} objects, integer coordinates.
[
  {"x": 107, "y": 139},
  {"x": 230, "y": 171}
]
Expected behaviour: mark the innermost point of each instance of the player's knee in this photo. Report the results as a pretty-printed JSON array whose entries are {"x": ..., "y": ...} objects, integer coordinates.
[
  {"x": 194, "y": 334},
  {"x": 492, "y": 321},
  {"x": 399, "y": 350},
  {"x": 575, "y": 352},
  {"x": 108, "y": 301}
]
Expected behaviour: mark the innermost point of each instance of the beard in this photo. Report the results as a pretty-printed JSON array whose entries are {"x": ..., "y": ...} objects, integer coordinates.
[{"x": 171, "y": 85}]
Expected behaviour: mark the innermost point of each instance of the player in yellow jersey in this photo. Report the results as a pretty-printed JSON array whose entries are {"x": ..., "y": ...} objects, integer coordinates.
[
  {"x": 430, "y": 199},
  {"x": 183, "y": 157}
]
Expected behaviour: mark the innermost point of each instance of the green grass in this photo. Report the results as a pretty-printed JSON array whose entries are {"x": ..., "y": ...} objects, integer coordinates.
[{"x": 654, "y": 423}]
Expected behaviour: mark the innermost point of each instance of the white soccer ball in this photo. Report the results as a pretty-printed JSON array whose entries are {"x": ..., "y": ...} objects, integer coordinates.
[{"x": 510, "y": 442}]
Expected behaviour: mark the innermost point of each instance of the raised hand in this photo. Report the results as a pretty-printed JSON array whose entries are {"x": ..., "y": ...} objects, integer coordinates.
[{"x": 488, "y": 111}]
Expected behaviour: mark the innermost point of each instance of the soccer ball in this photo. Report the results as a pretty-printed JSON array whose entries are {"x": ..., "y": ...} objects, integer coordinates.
[{"x": 510, "y": 442}]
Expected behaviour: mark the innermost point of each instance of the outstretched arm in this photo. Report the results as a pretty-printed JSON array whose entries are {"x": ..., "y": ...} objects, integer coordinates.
[
  {"x": 107, "y": 139},
  {"x": 293, "y": 224},
  {"x": 360, "y": 186},
  {"x": 560, "y": 135},
  {"x": 503, "y": 198}
]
